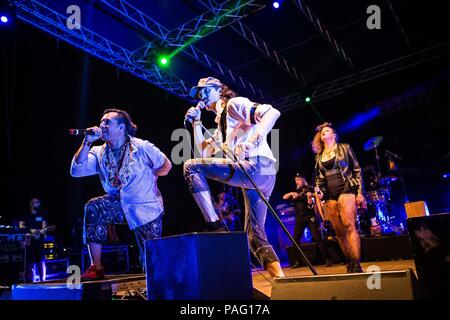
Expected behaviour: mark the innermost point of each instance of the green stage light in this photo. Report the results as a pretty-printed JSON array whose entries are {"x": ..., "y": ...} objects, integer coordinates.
[
  {"x": 307, "y": 99},
  {"x": 163, "y": 61}
]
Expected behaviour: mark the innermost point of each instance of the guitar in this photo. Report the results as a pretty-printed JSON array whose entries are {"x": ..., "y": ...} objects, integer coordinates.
[{"x": 36, "y": 233}]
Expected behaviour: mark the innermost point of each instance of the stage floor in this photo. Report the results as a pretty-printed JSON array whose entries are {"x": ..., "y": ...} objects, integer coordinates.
[
  {"x": 261, "y": 279},
  {"x": 262, "y": 282}
]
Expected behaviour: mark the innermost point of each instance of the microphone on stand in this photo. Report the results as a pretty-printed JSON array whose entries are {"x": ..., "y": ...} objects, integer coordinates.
[
  {"x": 200, "y": 105},
  {"x": 82, "y": 132}
]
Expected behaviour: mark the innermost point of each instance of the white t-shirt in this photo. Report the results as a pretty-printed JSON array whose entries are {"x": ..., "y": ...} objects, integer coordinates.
[{"x": 240, "y": 127}]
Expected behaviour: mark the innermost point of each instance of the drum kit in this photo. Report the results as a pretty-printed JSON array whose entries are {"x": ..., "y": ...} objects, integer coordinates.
[{"x": 378, "y": 188}]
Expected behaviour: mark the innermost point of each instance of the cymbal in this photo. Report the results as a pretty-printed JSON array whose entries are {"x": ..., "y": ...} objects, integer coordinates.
[{"x": 373, "y": 143}]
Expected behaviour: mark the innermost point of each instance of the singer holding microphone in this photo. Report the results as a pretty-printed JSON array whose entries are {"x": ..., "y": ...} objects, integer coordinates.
[
  {"x": 128, "y": 168},
  {"x": 242, "y": 129}
]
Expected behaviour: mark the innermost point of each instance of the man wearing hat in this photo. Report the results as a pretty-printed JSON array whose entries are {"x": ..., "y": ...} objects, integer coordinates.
[
  {"x": 242, "y": 129},
  {"x": 305, "y": 217}
]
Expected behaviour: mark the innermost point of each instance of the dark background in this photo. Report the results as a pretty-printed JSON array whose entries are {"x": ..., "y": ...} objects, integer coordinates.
[{"x": 48, "y": 87}]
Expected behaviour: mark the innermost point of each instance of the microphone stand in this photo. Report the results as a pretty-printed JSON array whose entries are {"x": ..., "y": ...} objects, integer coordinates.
[{"x": 272, "y": 211}]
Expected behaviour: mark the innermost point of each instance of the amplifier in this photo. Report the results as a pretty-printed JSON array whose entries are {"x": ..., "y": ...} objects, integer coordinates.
[
  {"x": 430, "y": 242},
  {"x": 416, "y": 209},
  {"x": 56, "y": 268},
  {"x": 12, "y": 258}
]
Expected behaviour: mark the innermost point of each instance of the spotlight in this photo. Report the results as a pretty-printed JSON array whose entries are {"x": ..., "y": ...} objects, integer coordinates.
[
  {"x": 276, "y": 4},
  {"x": 4, "y": 19},
  {"x": 163, "y": 61},
  {"x": 446, "y": 175},
  {"x": 307, "y": 99}
]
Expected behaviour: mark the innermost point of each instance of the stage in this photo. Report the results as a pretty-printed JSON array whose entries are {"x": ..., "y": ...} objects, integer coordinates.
[
  {"x": 132, "y": 286},
  {"x": 113, "y": 287}
]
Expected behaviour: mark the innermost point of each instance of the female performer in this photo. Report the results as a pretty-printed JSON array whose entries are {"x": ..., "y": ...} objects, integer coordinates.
[{"x": 339, "y": 181}]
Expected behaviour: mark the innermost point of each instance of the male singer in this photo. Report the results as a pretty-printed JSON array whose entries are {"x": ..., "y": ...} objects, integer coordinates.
[
  {"x": 242, "y": 129},
  {"x": 128, "y": 168}
]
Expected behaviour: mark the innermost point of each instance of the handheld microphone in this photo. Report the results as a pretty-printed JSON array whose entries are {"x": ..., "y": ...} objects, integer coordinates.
[
  {"x": 81, "y": 132},
  {"x": 200, "y": 105}
]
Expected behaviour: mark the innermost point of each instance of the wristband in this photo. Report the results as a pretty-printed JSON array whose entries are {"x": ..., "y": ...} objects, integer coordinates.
[{"x": 87, "y": 143}]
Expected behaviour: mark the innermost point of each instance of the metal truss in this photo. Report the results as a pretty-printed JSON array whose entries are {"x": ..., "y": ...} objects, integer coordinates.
[
  {"x": 323, "y": 30},
  {"x": 397, "y": 20},
  {"x": 339, "y": 86},
  {"x": 54, "y": 23},
  {"x": 161, "y": 33},
  {"x": 211, "y": 21},
  {"x": 219, "y": 17},
  {"x": 259, "y": 43}
]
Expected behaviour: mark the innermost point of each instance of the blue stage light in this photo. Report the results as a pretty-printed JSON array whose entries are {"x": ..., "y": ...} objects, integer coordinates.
[
  {"x": 4, "y": 19},
  {"x": 276, "y": 4},
  {"x": 359, "y": 120},
  {"x": 446, "y": 175}
]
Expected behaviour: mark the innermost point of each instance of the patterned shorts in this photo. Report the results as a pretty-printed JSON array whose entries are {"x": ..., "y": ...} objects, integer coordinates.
[{"x": 102, "y": 211}]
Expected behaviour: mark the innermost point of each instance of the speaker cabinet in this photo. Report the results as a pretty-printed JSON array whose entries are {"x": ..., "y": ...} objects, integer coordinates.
[
  {"x": 430, "y": 242},
  {"x": 386, "y": 248},
  {"x": 12, "y": 258},
  {"x": 386, "y": 285},
  {"x": 199, "y": 266}
]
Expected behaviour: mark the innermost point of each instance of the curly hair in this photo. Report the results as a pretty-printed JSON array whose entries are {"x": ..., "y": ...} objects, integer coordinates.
[
  {"x": 125, "y": 118},
  {"x": 317, "y": 143},
  {"x": 227, "y": 93}
]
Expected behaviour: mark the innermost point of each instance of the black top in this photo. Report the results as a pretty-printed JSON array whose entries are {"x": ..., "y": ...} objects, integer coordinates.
[
  {"x": 34, "y": 220},
  {"x": 329, "y": 164},
  {"x": 345, "y": 161},
  {"x": 334, "y": 181},
  {"x": 301, "y": 203}
]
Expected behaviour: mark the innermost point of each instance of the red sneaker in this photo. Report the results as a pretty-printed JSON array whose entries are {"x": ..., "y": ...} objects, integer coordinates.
[{"x": 92, "y": 273}]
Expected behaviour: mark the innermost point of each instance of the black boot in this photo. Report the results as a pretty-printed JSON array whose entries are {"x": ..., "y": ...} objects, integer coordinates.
[
  {"x": 355, "y": 267},
  {"x": 349, "y": 267}
]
